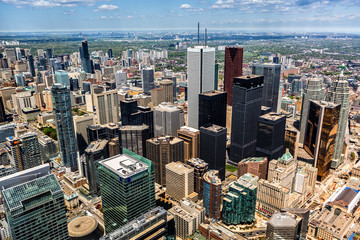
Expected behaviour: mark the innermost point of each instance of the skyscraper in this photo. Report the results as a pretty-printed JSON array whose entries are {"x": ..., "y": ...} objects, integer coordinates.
[
  {"x": 95, "y": 152},
  {"x": 315, "y": 91},
  {"x": 164, "y": 150},
  {"x": 232, "y": 69},
  {"x": 49, "y": 53},
  {"x": 239, "y": 203},
  {"x": 80, "y": 126},
  {"x": 24, "y": 152},
  {"x": 200, "y": 168},
  {"x": 148, "y": 80},
  {"x": 201, "y": 68},
  {"x": 167, "y": 85},
  {"x": 253, "y": 165},
  {"x": 213, "y": 148},
  {"x": 167, "y": 119},
  {"x": 283, "y": 225},
  {"x": 2, "y": 110},
  {"x": 339, "y": 94},
  {"x": 191, "y": 137},
  {"x": 212, "y": 108},
  {"x": 110, "y": 53},
  {"x": 127, "y": 188},
  {"x": 321, "y": 131},
  {"x": 212, "y": 194},
  {"x": 62, "y": 76},
  {"x": 179, "y": 180},
  {"x": 271, "y": 94},
  {"x": 270, "y": 136},
  {"x": 134, "y": 138},
  {"x": 85, "y": 57},
  {"x": 247, "y": 96},
  {"x": 107, "y": 107},
  {"x": 64, "y": 125},
  {"x": 34, "y": 205},
  {"x": 31, "y": 65}
]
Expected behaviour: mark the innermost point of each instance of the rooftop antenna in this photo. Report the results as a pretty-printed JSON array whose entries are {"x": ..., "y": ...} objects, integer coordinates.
[
  {"x": 83, "y": 36},
  {"x": 198, "y": 33},
  {"x": 205, "y": 36}
]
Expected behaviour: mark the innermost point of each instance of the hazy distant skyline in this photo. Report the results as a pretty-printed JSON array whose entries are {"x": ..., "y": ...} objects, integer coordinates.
[{"x": 251, "y": 15}]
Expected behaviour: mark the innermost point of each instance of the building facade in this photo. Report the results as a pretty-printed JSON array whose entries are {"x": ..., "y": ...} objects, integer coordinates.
[
  {"x": 247, "y": 97},
  {"x": 191, "y": 137},
  {"x": 232, "y": 69},
  {"x": 212, "y": 108},
  {"x": 212, "y": 194}
]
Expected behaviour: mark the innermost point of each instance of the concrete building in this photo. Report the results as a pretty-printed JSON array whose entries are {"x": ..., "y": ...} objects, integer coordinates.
[
  {"x": 239, "y": 203},
  {"x": 253, "y": 165},
  {"x": 201, "y": 77},
  {"x": 168, "y": 119},
  {"x": 179, "y": 180},
  {"x": 62, "y": 76},
  {"x": 283, "y": 171},
  {"x": 164, "y": 150},
  {"x": 24, "y": 152},
  {"x": 283, "y": 226},
  {"x": 154, "y": 223},
  {"x": 106, "y": 107},
  {"x": 167, "y": 85},
  {"x": 188, "y": 216},
  {"x": 315, "y": 91},
  {"x": 157, "y": 96},
  {"x": 191, "y": 137},
  {"x": 127, "y": 188},
  {"x": 80, "y": 126},
  {"x": 200, "y": 168},
  {"x": 291, "y": 139},
  {"x": 120, "y": 78},
  {"x": 212, "y": 194},
  {"x": 48, "y": 148}
]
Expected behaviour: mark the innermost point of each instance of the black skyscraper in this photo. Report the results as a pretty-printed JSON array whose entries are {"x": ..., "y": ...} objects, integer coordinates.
[
  {"x": 110, "y": 53},
  {"x": 2, "y": 111},
  {"x": 31, "y": 65},
  {"x": 213, "y": 147},
  {"x": 85, "y": 58},
  {"x": 247, "y": 95},
  {"x": 127, "y": 108},
  {"x": 270, "y": 137},
  {"x": 212, "y": 108},
  {"x": 49, "y": 53}
]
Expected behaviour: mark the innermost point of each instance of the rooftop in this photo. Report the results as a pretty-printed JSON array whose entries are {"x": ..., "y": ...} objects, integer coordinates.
[
  {"x": 16, "y": 195},
  {"x": 179, "y": 167},
  {"x": 279, "y": 219},
  {"x": 124, "y": 165},
  {"x": 212, "y": 93},
  {"x": 212, "y": 177},
  {"x": 96, "y": 146},
  {"x": 134, "y": 127},
  {"x": 82, "y": 226},
  {"x": 253, "y": 159},
  {"x": 272, "y": 116},
  {"x": 214, "y": 128}
]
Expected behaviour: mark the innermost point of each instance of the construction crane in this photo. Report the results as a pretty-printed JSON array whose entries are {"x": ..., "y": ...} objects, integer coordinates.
[{"x": 83, "y": 36}]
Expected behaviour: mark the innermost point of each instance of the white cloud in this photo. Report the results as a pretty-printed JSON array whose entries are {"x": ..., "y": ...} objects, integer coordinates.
[
  {"x": 224, "y": 4},
  {"x": 107, "y": 7},
  {"x": 189, "y": 8},
  {"x": 185, "y": 6},
  {"x": 103, "y": 17},
  {"x": 49, "y": 3}
]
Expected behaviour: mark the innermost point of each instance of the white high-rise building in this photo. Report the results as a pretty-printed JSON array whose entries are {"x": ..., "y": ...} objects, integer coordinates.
[
  {"x": 120, "y": 78},
  {"x": 201, "y": 77}
]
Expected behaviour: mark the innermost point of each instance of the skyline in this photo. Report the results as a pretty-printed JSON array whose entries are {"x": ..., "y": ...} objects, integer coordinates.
[{"x": 243, "y": 15}]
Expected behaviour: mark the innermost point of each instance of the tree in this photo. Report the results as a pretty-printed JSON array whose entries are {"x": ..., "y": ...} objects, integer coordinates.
[{"x": 352, "y": 156}]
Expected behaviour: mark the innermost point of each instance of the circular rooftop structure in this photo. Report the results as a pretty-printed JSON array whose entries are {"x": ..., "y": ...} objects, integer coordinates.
[{"x": 82, "y": 226}]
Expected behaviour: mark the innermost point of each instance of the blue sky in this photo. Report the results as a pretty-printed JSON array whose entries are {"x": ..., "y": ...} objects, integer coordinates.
[{"x": 249, "y": 15}]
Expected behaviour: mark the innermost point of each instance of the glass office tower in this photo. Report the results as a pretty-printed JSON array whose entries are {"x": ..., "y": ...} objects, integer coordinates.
[
  {"x": 127, "y": 188},
  {"x": 64, "y": 125}
]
